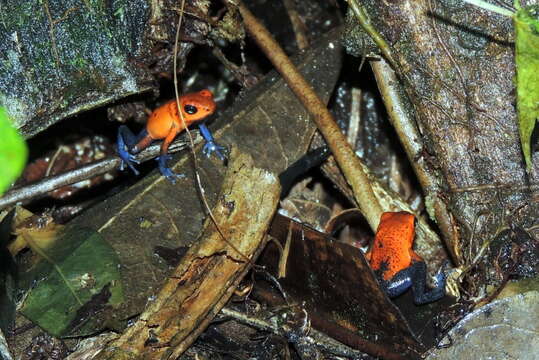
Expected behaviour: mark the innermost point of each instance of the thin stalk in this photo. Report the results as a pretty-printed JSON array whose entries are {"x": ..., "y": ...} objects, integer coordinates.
[{"x": 345, "y": 156}]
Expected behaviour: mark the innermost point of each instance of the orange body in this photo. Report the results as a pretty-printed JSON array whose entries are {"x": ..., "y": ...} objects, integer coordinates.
[
  {"x": 392, "y": 250},
  {"x": 165, "y": 122}
]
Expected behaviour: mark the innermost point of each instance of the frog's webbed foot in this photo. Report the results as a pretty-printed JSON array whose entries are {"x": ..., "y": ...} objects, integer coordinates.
[
  {"x": 211, "y": 146},
  {"x": 441, "y": 276},
  {"x": 165, "y": 170}
]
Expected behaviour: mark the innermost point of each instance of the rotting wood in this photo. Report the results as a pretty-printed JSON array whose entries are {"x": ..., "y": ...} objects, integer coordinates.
[{"x": 207, "y": 275}]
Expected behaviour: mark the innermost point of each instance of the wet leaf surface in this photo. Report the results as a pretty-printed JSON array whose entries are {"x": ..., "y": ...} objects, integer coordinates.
[{"x": 52, "y": 67}]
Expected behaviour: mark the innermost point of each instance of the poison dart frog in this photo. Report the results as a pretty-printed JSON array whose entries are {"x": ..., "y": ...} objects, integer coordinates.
[
  {"x": 395, "y": 263},
  {"x": 165, "y": 123}
]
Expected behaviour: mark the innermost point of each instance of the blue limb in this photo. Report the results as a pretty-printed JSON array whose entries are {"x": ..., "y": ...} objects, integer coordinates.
[
  {"x": 415, "y": 277},
  {"x": 441, "y": 276},
  {"x": 419, "y": 287},
  {"x": 126, "y": 140},
  {"x": 165, "y": 170},
  {"x": 308, "y": 161},
  {"x": 401, "y": 282},
  {"x": 210, "y": 145}
]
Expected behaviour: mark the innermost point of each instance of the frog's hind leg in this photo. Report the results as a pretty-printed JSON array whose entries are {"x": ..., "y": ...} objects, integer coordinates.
[
  {"x": 401, "y": 282},
  {"x": 135, "y": 144},
  {"x": 419, "y": 287},
  {"x": 129, "y": 144}
]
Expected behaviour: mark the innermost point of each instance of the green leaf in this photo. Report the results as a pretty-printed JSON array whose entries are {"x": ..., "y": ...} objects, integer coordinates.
[
  {"x": 13, "y": 152},
  {"x": 77, "y": 278},
  {"x": 526, "y": 22}
]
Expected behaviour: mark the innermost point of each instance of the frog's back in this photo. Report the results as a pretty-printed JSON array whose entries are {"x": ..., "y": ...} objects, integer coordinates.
[
  {"x": 392, "y": 248},
  {"x": 162, "y": 120}
]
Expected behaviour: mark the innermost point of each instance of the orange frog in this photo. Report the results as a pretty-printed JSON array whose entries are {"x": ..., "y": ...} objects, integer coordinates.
[
  {"x": 395, "y": 263},
  {"x": 165, "y": 123}
]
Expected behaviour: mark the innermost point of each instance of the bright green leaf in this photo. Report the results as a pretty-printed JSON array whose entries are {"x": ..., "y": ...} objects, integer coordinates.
[
  {"x": 526, "y": 22},
  {"x": 13, "y": 152}
]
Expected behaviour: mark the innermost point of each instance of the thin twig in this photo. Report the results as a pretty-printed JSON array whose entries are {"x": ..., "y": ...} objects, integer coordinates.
[
  {"x": 30, "y": 192},
  {"x": 53, "y": 160},
  {"x": 354, "y": 126},
  {"x": 365, "y": 23},
  {"x": 300, "y": 30},
  {"x": 345, "y": 156}
]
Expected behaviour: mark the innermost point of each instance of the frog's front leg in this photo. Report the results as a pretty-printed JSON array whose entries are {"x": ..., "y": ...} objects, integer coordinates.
[
  {"x": 165, "y": 170},
  {"x": 211, "y": 145},
  {"x": 164, "y": 157}
]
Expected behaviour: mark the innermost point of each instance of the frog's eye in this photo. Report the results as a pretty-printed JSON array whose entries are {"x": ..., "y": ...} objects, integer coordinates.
[{"x": 190, "y": 109}]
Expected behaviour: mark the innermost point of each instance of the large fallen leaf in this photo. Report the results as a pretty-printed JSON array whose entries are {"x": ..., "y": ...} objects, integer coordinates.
[
  {"x": 206, "y": 277},
  {"x": 63, "y": 57},
  {"x": 337, "y": 288}
]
